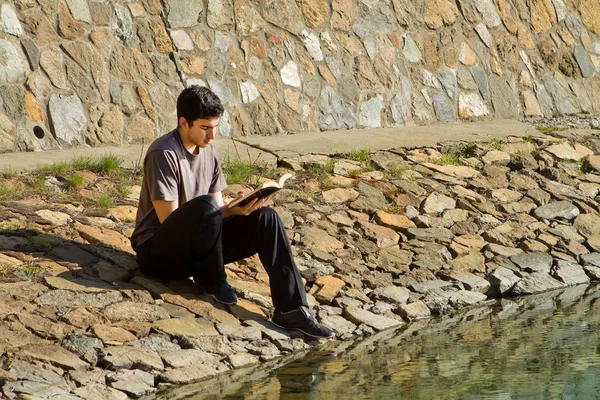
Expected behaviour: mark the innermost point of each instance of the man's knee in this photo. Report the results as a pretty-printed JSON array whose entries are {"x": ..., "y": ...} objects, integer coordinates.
[
  {"x": 207, "y": 204},
  {"x": 268, "y": 216}
]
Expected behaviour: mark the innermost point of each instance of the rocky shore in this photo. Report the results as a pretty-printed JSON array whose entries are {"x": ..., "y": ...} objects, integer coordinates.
[{"x": 382, "y": 239}]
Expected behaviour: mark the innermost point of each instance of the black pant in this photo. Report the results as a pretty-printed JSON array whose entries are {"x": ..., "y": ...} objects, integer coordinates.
[{"x": 196, "y": 241}]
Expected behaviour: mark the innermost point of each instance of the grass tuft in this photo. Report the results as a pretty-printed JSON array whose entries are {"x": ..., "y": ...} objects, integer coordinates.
[
  {"x": 106, "y": 165},
  {"x": 74, "y": 181},
  {"x": 105, "y": 201},
  {"x": 238, "y": 171}
]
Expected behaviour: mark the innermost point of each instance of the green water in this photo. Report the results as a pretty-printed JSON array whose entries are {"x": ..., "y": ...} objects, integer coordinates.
[{"x": 535, "y": 347}]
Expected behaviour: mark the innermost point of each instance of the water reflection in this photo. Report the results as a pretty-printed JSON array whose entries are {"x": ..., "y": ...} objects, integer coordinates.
[{"x": 536, "y": 347}]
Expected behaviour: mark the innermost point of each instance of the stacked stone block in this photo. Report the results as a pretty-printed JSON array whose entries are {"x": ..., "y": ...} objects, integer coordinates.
[{"x": 76, "y": 72}]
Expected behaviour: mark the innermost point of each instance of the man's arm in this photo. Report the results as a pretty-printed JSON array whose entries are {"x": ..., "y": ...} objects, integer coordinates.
[
  {"x": 245, "y": 210},
  {"x": 164, "y": 208}
]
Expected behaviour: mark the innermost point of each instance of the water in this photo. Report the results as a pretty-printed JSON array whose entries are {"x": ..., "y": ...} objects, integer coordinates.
[{"x": 536, "y": 347}]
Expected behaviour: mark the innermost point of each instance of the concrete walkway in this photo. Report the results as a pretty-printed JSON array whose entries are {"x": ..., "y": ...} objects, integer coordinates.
[{"x": 265, "y": 150}]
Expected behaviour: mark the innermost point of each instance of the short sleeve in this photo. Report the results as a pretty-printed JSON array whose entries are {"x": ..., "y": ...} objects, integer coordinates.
[
  {"x": 162, "y": 173},
  {"x": 218, "y": 182}
]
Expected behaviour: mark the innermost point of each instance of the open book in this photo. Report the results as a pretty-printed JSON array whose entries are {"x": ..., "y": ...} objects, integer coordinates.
[{"x": 267, "y": 189}]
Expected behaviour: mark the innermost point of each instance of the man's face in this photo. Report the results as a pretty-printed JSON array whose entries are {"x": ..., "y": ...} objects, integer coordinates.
[{"x": 202, "y": 131}]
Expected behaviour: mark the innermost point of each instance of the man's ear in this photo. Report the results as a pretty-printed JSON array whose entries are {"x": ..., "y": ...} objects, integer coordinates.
[{"x": 183, "y": 122}]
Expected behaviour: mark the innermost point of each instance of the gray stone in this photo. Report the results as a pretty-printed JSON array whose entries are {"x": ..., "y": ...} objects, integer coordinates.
[
  {"x": 437, "y": 203},
  {"x": 9, "y": 22},
  {"x": 565, "y": 105},
  {"x": 557, "y": 209},
  {"x": 7, "y": 134},
  {"x": 370, "y": 112},
  {"x": 33, "y": 55},
  {"x": 312, "y": 269},
  {"x": 220, "y": 90},
  {"x": 411, "y": 50},
  {"x": 464, "y": 298},
  {"x": 156, "y": 343},
  {"x": 94, "y": 391},
  {"x": 37, "y": 390},
  {"x": 377, "y": 322},
  {"x": 376, "y": 17},
  {"x": 591, "y": 259},
  {"x": 183, "y": 41},
  {"x": 560, "y": 8},
  {"x": 122, "y": 26},
  {"x": 14, "y": 66},
  {"x": 484, "y": 35},
  {"x": 73, "y": 299},
  {"x": 400, "y": 109},
  {"x": 470, "y": 281},
  {"x": 185, "y": 375},
  {"x": 249, "y": 92},
  {"x": 135, "y": 383},
  {"x": 429, "y": 286},
  {"x": 392, "y": 294},
  {"x": 533, "y": 262},
  {"x": 443, "y": 108},
  {"x": 501, "y": 281},
  {"x": 290, "y": 75},
  {"x": 480, "y": 78},
  {"x": 312, "y": 44},
  {"x": 570, "y": 274},
  {"x": 118, "y": 357},
  {"x": 222, "y": 42},
  {"x": 183, "y": 14},
  {"x": 80, "y": 10},
  {"x": 448, "y": 80},
  {"x": 593, "y": 272},
  {"x": 413, "y": 311},
  {"x": 504, "y": 98},
  {"x": 587, "y": 224},
  {"x": 33, "y": 373},
  {"x": 68, "y": 118},
  {"x": 84, "y": 346},
  {"x": 545, "y": 100},
  {"x": 488, "y": 12},
  {"x": 333, "y": 113},
  {"x": 219, "y": 14},
  {"x": 81, "y": 83},
  {"x": 131, "y": 311},
  {"x": 584, "y": 61},
  {"x": 536, "y": 283},
  {"x": 52, "y": 354},
  {"x": 340, "y": 325},
  {"x": 264, "y": 349},
  {"x": 441, "y": 234}
]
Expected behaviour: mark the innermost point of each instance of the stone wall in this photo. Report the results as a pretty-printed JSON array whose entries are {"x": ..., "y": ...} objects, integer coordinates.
[{"x": 78, "y": 72}]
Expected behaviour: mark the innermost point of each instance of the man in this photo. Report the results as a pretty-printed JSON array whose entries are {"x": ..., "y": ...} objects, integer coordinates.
[{"x": 184, "y": 228}]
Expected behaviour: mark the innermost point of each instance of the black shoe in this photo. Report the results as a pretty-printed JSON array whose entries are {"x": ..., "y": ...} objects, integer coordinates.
[
  {"x": 221, "y": 292},
  {"x": 301, "y": 320}
]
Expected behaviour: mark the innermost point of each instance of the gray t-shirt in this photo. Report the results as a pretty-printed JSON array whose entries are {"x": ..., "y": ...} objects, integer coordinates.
[{"x": 173, "y": 173}]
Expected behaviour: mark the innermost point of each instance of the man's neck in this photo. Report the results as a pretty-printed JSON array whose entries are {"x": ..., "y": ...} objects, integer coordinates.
[{"x": 190, "y": 147}]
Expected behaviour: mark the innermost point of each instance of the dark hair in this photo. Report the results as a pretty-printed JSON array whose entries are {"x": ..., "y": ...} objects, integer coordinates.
[{"x": 198, "y": 102}]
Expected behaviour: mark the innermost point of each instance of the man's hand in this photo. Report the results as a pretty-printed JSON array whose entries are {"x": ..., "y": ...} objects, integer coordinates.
[{"x": 242, "y": 210}]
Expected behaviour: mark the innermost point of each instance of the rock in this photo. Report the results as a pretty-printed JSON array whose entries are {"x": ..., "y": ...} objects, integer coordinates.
[
  {"x": 488, "y": 12},
  {"x": 506, "y": 195},
  {"x": 565, "y": 151},
  {"x": 130, "y": 311},
  {"x": 112, "y": 334},
  {"x": 429, "y": 286},
  {"x": 463, "y": 298},
  {"x": 542, "y": 16},
  {"x": 501, "y": 281},
  {"x": 458, "y": 171},
  {"x": 53, "y": 354},
  {"x": 193, "y": 373},
  {"x": 68, "y": 118},
  {"x": 241, "y": 359},
  {"x": 84, "y": 346},
  {"x": 471, "y": 262},
  {"x": 340, "y": 325},
  {"x": 380, "y": 235},
  {"x": 535, "y": 283},
  {"x": 135, "y": 383},
  {"x": 370, "y": 112},
  {"x": 586, "y": 66},
  {"x": 411, "y": 51},
  {"x": 414, "y": 311},
  {"x": 183, "y": 15},
  {"x": 437, "y": 203},
  {"x": 219, "y": 14},
  {"x": 570, "y": 274},
  {"x": 393, "y": 221},
  {"x": 557, "y": 209},
  {"x": 128, "y": 357},
  {"x": 70, "y": 299},
  {"x": 392, "y": 294},
  {"x": 328, "y": 288},
  {"x": 495, "y": 157},
  {"x": 471, "y": 106},
  {"x": 9, "y": 22},
  {"x": 470, "y": 281},
  {"x": 587, "y": 224},
  {"x": 377, "y": 322},
  {"x": 439, "y": 13},
  {"x": 533, "y": 262}
]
